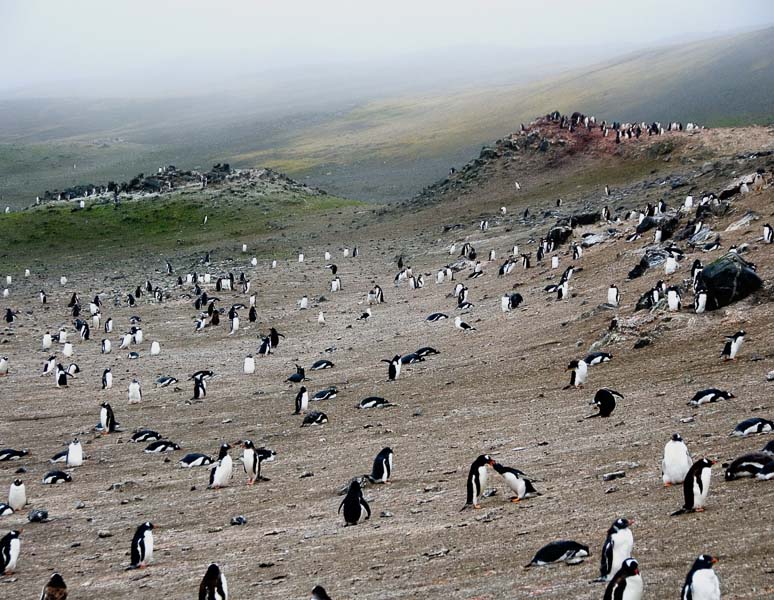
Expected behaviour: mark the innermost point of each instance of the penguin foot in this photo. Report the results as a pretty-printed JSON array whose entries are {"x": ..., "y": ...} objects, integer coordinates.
[
  {"x": 251, "y": 482},
  {"x": 699, "y": 510},
  {"x": 666, "y": 485},
  {"x": 477, "y": 506},
  {"x": 262, "y": 478},
  {"x": 515, "y": 499}
]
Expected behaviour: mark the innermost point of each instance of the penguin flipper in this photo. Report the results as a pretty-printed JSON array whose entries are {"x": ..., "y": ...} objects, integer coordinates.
[
  {"x": 682, "y": 511},
  {"x": 592, "y": 416}
]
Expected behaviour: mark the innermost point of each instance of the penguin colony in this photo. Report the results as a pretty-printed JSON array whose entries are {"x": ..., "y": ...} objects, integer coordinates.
[{"x": 465, "y": 303}]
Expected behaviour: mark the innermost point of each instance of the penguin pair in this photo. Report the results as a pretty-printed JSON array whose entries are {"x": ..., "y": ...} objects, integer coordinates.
[{"x": 253, "y": 459}]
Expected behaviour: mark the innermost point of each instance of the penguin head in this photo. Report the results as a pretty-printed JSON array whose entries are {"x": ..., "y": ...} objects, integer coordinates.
[
  {"x": 319, "y": 593},
  {"x": 18, "y": 482},
  {"x": 56, "y": 581},
  {"x": 630, "y": 567},
  {"x": 105, "y": 405},
  {"x": 620, "y": 524},
  {"x": 574, "y": 364},
  {"x": 213, "y": 572},
  {"x": 676, "y": 437},
  {"x": 248, "y": 445},
  {"x": 705, "y": 561}
]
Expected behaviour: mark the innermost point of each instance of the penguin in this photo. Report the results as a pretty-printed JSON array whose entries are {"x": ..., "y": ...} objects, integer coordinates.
[
  {"x": 382, "y": 467},
  {"x": 617, "y": 548},
  {"x": 753, "y": 425},
  {"x": 265, "y": 348},
  {"x": 327, "y": 394},
  {"x": 49, "y": 366},
  {"x": 250, "y": 461},
  {"x": 155, "y": 348},
  {"x": 366, "y": 315},
  {"x": 733, "y": 345},
  {"x": 213, "y": 585},
  {"x": 10, "y": 548},
  {"x": 109, "y": 325},
  {"x": 426, "y": 351},
  {"x": 613, "y": 296},
  {"x": 373, "y": 402},
  {"x": 579, "y": 373},
  {"x": 321, "y": 318},
  {"x": 55, "y": 477},
  {"x": 476, "y": 481},
  {"x": 748, "y": 465},
  {"x": 43, "y": 297},
  {"x": 233, "y": 324},
  {"x": 710, "y": 395},
  {"x": 673, "y": 299},
  {"x": 627, "y": 583},
  {"x": 696, "y": 486},
  {"x": 61, "y": 376},
  {"x": 10, "y": 316},
  {"x": 47, "y": 341},
  {"x": 107, "y": 419},
  {"x": 677, "y": 461},
  {"x": 519, "y": 484},
  {"x": 200, "y": 388},
  {"x": 73, "y": 369},
  {"x": 321, "y": 364},
  {"x": 410, "y": 359},
  {"x": 302, "y": 400},
  {"x": 315, "y": 417},
  {"x": 319, "y": 593},
  {"x": 577, "y": 251},
  {"x": 135, "y": 392},
  {"x": 702, "y": 582},
  {"x": 354, "y": 504},
  {"x": 462, "y": 325},
  {"x": 696, "y": 270},
  {"x": 17, "y": 495},
  {"x": 67, "y": 349},
  {"x": 107, "y": 379},
  {"x": 298, "y": 376},
  {"x": 126, "y": 340},
  {"x": 106, "y": 346},
  {"x": 435, "y": 317},
  {"x": 141, "y": 552},
  {"x": 145, "y": 435},
  {"x": 566, "y": 551},
  {"x": 393, "y": 371},
  {"x": 159, "y": 446},
  {"x": 220, "y": 474},
  {"x": 165, "y": 381},
  {"x": 700, "y": 300},
  {"x": 5, "y": 510},
  {"x": 55, "y": 589},
  {"x": 195, "y": 459},
  {"x": 249, "y": 365},
  {"x": 274, "y": 337},
  {"x": 768, "y": 234},
  {"x": 74, "y": 454},
  {"x": 596, "y": 358},
  {"x": 3, "y": 366},
  {"x": 11, "y": 454},
  {"x": 605, "y": 401}
]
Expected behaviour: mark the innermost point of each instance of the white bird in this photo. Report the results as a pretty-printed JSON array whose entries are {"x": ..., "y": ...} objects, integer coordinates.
[
  {"x": 327, "y": 255},
  {"x": 137, "y": 336},
  {"x": 274, "y": 264},
  {"x": 460, "y": 324},
  {"x": 244, "y": 247},
  {"x": 254, "y": 262},
  {"x": 677, "y": 461},
  {"x": 673, "y": 299},
  {"x": 135, "y": 393},
  {"x": 106, "y": 346},
  {"x": 63, "y": 280},
  {"x": 62, "y": 336},
  {"x": 155, "y": 349}
]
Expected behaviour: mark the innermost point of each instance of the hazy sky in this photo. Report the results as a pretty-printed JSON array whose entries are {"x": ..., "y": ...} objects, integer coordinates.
[{"x": 43, "y": 42}]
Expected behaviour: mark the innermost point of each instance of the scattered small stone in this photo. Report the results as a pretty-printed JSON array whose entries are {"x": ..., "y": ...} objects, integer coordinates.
[
  {"x": 38, "y": 516},
  {"x": 21, "y": 470},
  {"x": 437, "y": 553},
  {"x": 642, "y": 343},
  {"x": 104, "y": 533},
  {"x": 214, "y": 529},
  {"x": 306, "y": 474},
  {"x": 265, "y": 565},
  {"x": 611, "y": 490},
  {"x": 239, "y": 520},
  {"x": 274, "y": 532},
  {"x": 417, "y": 413},
  {"x": 687, "y": 419},
  {"x": 79, "y": 505},
  {"x": 770, "y": 376},
  {"x": 613, "y": 475},
  {"x": 226, "y": 421},
  {"x": 75, "y": 545},
  {"x": 385, "y": 514},
  {"x": 756, "y": 357}
]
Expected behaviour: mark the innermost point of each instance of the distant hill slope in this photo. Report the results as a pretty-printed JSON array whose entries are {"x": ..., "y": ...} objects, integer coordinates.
[{"x": 387, "y": 149}]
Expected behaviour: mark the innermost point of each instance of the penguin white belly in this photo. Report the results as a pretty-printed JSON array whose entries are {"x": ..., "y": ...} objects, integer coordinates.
[
  {"x": 103, "y": 415},
  {"x": 75, "y": 456},
  {"x": 736, "y": 345},
  {"x": 705, "y": 585},
  {"x": 17, "y": 498},
  {"x": 700, "y": 497},
  {"x": 148, "y": 538},
  {"x": 248, "y": 462},
  {"x": 223, "y": 473},
  {"x": 676, "y": 463},
  {"x": 516, "y": 484},
  {"x": 612, "y": 297},
  {"x": 249, "y": 367},
  {"x": 634, "y": 588},
  {"x": 623, "y": 543},
  {"x": 14, "y": 554}
]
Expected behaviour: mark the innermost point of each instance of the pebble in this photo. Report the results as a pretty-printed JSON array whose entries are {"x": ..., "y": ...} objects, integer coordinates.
[
  {"x": 385, "y": 514},
  {"x": 613, "y": 475},
  {"x": 770, "y": 376},
  {"x": 79, "y": 505},
  {"x": 104, "y": 533}
]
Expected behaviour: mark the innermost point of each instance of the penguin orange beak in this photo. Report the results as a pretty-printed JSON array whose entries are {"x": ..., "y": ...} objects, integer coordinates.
[
  {"x": 636, "y": 571},
  {"x": 491, "y": 462},
  {"x": 714, "y": 560}
]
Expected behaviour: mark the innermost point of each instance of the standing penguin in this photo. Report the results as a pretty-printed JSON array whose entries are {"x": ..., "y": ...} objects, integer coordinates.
[
  {"x": 74, "y": 456},
  {"x": 580, "y": 372},
  {"x": 3, "y": 366},
  {"x": 135, "y": 393},
  {"x": 61, "y": 376},
  {"x": 768, "y": 234},
  {"x": 354, "y": 504},
  {"x": 477, "y": 480},
  {"x": 674, "y": 301},
  {"x": 141, "y": 552},
  {"x": 700, "y": 299},
  {"x": 613, "y": 295},
  {"x": 393, "y": 371},
  {"x": 617, "y": 548},
  {"x": 701, "y": 582},
  {"x": 200, "y": 388},
  {"x": 302, "y": 400},
  {"x": 250, "y": 461},
  {"x": 696, "y": 486},
  {"x": 17, "y": 495},
  {"x": 55, "y": 589},
  {"x": 10, "y": 548},
  {"x": 220, "y": 474},
  {"x": 319, "y": 593},
  {"x": 677, "y": 461},
  {"x": 107, "y": 379},
  {"x": 626, "y": 584},
  {"x": 382, "y": 468},
  {"x": 733, "y": 345},
  {"x": 213, "y": 585},
  {"x": 107, "y": 419},
  {"x": 249, "y": 365}
]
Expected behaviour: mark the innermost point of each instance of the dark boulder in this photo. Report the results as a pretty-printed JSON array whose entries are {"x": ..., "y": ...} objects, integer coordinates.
[
  {"x": 729, "y": 279},
  {"x": 588, "y": 218},
  {"x": 559, "y": 234}
]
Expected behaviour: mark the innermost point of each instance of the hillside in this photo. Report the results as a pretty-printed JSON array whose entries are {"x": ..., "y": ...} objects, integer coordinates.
[
  {"x": 499, "y": 389},
  {"x": 375, "y": 148}
]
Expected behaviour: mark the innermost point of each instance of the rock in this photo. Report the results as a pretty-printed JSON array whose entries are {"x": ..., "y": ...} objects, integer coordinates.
[
  {"x": 239, "y": 520},
  {"x": 587, "y": 218},
  {"x": 79, "y": 505},
  {"x": 729, "y": 279},
  {"x": 770, "y": 376},
  {"x": 38, "y": 516},
  {"x": 104, "y": 533},
  {"x": 385, "y": 514},
  {"x": 559, "y": 234},
  {"x": 642, "y": 343},
  {"x": 613, "y": 475},
  {"x": 748, "y": 218}
]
